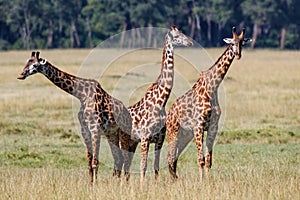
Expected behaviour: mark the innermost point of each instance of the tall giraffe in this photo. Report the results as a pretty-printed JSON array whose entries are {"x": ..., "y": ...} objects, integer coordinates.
[
  {"x": 198, "y": 109},
  {"x": 99, "y": 113},
  {"x": 148, "y": 114}
]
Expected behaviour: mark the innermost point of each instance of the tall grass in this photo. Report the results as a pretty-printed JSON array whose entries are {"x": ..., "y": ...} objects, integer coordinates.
[{"x": 239, "y": 172}]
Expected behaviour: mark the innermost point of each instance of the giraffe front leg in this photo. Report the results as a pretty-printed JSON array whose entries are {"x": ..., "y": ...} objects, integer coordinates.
[
  {"x": 157, "y": 150},
  {"x": 198, "y": 132},
  {"x": 211, "y": 135},
  {"x": 96, "y": 146},
  {"x": 86, "y": 135},
  {"x": 95, "y": 130},
  {"x": 144, "y": 150}
]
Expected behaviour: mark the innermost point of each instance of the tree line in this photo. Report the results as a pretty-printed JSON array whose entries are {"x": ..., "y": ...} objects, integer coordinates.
[{"x": 27, "y": 24}]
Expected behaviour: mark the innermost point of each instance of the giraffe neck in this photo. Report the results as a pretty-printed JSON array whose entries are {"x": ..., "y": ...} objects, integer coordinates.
[
  {"x": 67, "y": 82},
  {"x": 167, "y": 70},
  {"x": 217, "y": 72}
]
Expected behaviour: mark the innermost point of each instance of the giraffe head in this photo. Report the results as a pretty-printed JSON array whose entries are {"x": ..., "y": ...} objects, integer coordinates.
[
  {"x": 33, "y": 65},
  {"x": 178, "y": 38},
  {"x": 237, "y": 42}
]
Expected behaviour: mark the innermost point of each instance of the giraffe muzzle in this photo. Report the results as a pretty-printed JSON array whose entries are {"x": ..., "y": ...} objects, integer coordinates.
[
  {"x": 238, "y": 57},
  {"x": 21, "y": 77},
  {"x": 190, "y": 43}
]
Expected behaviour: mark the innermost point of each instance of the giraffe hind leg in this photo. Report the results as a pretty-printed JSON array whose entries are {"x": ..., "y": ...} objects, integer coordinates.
[
  {"x": 172, "y": 133},
  {"x": 144, "y": 151},
  {"x": 184, "y": 138},
  {"x": 158, "y": 147},
  {"x": 177, "y": 147},
  {"x": 128, "y": 147},
  {"x": 128, "y": 160},
  {"x": 211, "y": 135},
  {"x": 172, "y": 160},
  {"x": 198, "y": 131},
  {"x": 113, "y": 141}
]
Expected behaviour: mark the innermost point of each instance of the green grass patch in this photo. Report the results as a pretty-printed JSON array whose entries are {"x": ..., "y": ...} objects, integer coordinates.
[{"x": 271, "y": 135}]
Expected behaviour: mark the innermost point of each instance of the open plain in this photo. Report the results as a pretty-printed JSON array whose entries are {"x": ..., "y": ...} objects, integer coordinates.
[{"x": 257, "y": 150}]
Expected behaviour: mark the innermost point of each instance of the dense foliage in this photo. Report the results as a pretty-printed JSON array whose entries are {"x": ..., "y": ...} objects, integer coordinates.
[{"x": 27, "y": 24}]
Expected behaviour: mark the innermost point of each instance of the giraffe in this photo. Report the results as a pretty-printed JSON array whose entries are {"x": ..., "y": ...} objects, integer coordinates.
[
  {"x": 148, "y": 114},
  {"x": 99, "y": 112},
  {"x": 198, "y": 110}
]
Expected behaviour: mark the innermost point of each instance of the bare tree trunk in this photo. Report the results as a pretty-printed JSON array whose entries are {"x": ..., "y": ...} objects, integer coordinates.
[
  {"x": 123, "y": 34},
  {"x": 255, "y": 34},
  {"x": 89, "y": 31},
  {"x": 154, "y": 42},
  {"x": 50, "y": 34},
  {"x": 60, "y": 24},
  {"x": 208, "y": 19},
  {"x": 74, "y": 35},
  {"x": 22, "y": 31},
  {"x": 133, "y": 38},
  {"x": 139, "y": 38},
  {"x": 220, "y": 27},
  {"x": 282, "y": 38},
  {"x": 71, "y": 36},
  {"x": 27, "y": 29},
  {"x": 150, "y": 28},
  {"x": 198, "y": 27},
  {"x": 191, "y": 22}
]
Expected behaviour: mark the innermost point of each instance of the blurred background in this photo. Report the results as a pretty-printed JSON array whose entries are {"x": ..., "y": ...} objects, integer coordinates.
[{"x": 47, "y": 24}]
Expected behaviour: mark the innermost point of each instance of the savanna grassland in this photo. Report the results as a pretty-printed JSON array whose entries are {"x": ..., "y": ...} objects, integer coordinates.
[{"x": 257, "y": 151}]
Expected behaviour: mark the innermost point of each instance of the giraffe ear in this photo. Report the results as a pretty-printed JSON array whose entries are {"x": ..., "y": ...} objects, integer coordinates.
[
  {"x": 42, "y": 61},
  {"x": 228, "y": 40}
]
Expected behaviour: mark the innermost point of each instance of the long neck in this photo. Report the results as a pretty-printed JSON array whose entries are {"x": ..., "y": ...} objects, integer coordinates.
[
  {"x": 167, "y": 70},
  {"x": 67, "y": 82},
  {"x": 216, "y": 73}
]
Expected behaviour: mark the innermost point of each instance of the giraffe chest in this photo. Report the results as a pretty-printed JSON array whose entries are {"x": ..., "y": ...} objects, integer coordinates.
[
  {"x": 148, "y": 122},
  {"x": 192, "y": 111},
  {"x": 98, "y": 112},
  {"x": 195, "y": 117}
]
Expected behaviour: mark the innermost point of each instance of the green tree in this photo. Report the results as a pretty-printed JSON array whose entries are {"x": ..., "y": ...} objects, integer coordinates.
[
  {"x": 284, "y": 18},
  {"x": 259, "y": 13},
  {"x": 23, "y": 17},
  {"x": 84, "y": 23}
]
